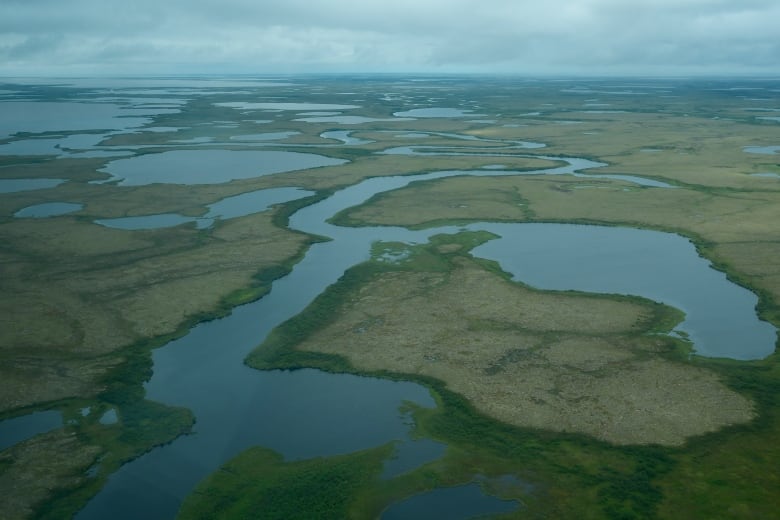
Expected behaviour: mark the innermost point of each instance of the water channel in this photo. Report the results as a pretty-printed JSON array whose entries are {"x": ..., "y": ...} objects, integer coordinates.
[{"x": 309, "y": 413}]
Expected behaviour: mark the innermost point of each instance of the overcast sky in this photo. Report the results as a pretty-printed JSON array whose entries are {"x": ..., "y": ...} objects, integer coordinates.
[{"x": 64, "y": 37}]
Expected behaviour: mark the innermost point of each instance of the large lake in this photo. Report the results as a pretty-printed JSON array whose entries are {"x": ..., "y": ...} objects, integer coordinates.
[{"x": 209, "y": 166}]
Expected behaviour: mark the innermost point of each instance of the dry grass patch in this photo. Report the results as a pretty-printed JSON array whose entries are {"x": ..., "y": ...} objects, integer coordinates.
[
  {"x": 556, "y": 361},
  {"x": 79, "y": 290},
  {"x": 36, "y": 467}
]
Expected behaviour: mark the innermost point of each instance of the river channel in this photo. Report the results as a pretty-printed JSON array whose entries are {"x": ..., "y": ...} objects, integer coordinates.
[{"x": 308, "y": 413}]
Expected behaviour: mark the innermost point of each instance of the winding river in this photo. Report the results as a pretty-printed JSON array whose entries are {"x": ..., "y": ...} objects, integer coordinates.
[{"x": 308, "y": 413}]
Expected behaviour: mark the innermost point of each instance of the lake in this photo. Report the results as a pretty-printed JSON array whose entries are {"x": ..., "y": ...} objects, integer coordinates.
[{"x": 200, "y": 166}]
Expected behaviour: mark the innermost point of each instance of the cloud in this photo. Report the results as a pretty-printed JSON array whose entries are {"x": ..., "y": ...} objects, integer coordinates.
[{"x": 599, "y": 36}]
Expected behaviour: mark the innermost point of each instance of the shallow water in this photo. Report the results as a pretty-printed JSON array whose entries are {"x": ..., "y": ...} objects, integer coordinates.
[
  {"x": 267, "y": 136},
  {"x": 18, "y": 429},
  {"x": 209, "y": 166},
  {"x": 227, "y": 208},
  {"x": 411, "y": 455},
  {"x": 720, "y": 316},
  {"x": 436, "y": 112},
  {"x": 285, "y": 106},
  {"x": 48, "y": 209},
  {"x": 348, "y": 120},
  {"x": 14, "y": 185},
  {"x": 765, "y": 150},
  {"x": 48, "y": 116},
  {"x": 453, "y": 503},
  {"x": 345, "y": 137}
]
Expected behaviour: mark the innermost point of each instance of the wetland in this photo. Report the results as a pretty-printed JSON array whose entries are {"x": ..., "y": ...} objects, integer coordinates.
[{"x": 330, "y": 301}]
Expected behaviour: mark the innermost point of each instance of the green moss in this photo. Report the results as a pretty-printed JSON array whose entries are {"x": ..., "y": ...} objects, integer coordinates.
[{"x": 259, "y": 484}]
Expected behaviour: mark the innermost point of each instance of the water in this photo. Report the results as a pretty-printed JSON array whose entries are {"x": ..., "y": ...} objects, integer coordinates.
[
  {"x": 227, "y": 208},
  {"x": 345, "y": 137},
  {"x": 18, "y": 429},
  {"x": 162, "y": 220},
  {"x": 411, "y": 455},
  {"x": 48, "y": 209},
  {"x": 308, "y": 413},
  {"x": 765, "y": 150},
  {"x": 454, "y": 503},
  {"x": 15, "y": 185},
  {"x": 349, "y": 120},
  {"x": 48, "y": 116},
  {"x": 198, "y": 166},
  {"x": 286, "y": 106},
  {"x": 436, "y": 112},
  {"x": 266, "y": 136}
]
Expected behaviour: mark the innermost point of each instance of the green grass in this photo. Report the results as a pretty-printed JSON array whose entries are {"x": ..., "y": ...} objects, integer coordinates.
[{"x": 259, "y": 484}]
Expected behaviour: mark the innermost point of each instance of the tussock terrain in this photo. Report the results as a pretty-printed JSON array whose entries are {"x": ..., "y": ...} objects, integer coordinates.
[{"x": 556, "y": 361}]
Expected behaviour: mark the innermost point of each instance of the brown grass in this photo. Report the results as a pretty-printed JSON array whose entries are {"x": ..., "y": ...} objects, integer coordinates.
[{"x": 555, "y": 361}]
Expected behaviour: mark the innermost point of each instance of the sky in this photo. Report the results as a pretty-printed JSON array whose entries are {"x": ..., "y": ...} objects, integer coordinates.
[{"x": 539, "y": 37}]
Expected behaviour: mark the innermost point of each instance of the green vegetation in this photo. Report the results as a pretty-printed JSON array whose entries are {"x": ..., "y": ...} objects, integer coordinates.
[
  {"x": 81, "y": 306},
  {"x": 574, "y": 477},
  {"x": 259, "y": 484}
]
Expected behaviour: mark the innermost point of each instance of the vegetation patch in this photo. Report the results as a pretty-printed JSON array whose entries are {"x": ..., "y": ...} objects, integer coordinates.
[{"x": 557, "y": 361}]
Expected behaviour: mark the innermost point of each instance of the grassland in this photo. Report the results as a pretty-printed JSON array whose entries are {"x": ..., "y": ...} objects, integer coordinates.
[{"x": 81, "y": 306}]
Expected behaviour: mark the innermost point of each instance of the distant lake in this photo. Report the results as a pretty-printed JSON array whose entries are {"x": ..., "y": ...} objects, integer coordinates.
[
  {"x": 436, "y": 112},
  {"x": 765, "y": 150},
  {"x": 209, "y": 166},
  {"x": 14, "y": 185},
  {"x": 720, "y": 315},
  {"x": 348, "y": 120},
  {"x": 48, "y": 116},
  {"x": 453, "y": 503},
  {"x": 285, "y": 106},
  {"x": 227, "y": 208},
  {"x": 344, "y": 136},
  {"x": 266, "y": 136},
  {"x": 18, "y": 429},
  {"x": 48, "y": 209}
]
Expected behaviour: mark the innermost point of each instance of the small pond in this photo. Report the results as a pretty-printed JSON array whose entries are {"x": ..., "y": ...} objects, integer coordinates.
[
  {"x": 720, "y": 316},
  {"x": 348, "y": 120},
  {"x": 344, "y": 136},
  {"x": 436, "y": 112},
  {"x": 765, "y": 150},
  {"x": 47, "y": 116},
  {"x": 412, "y": 454}
]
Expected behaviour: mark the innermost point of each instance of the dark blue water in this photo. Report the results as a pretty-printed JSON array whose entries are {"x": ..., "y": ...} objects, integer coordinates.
[
  {"x": 454, "y": 503},
  {"x": 18, "y": 429},
  {"x": 209, "y": 166},
  {"x": 48, "y": 209}
]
